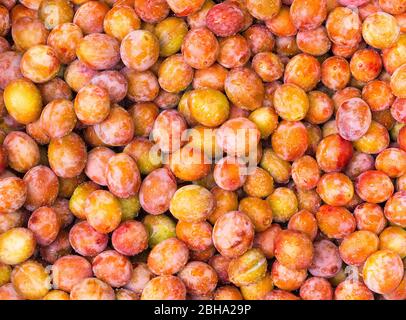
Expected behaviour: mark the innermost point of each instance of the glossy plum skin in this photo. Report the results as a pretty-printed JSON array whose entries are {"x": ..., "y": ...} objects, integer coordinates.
[
  {"x": 31, "y": 280},
  {"x": 98, "y": 51},
  {"x": 290, "y": 140},
  {"x": 12, "y": 186},
  {"x": 199, "y": 278},
  {"x": 366, "y": 181},
  {"x": 168, "y": 257},
  {"x": 51, "y": 118},
  {"x": 353, "y": 290},
  {"x": 69, "y": 270},
  {"x": 233, "y": 234},
  {"x": 200, "y": 48},
  {"x": 69, "y": 147},
  {"x": 112, "y": 267},
  {"x": 92, "y": 104},
  {"x": 225, "y": 19},
  {"x": 97, "y": 10},
  {"x": 15, "y": 144},
  {"x": 122, "y": 176},
  {"x": 22, "y": 240},
  {"x": 202, "y": 149},
  {"x": 387, "y": 281},
  {"x": 45, "y": 225},
  {"x": 201, "y": 203},
  {"x": 246, "y": 94},
  {"x": 294, "y": 249},
  {"x": 42, "y": 187},
  {"x": 27, "y": 108},
  {"x": 353, "y": 119},
  {"x": 92, "y": 289},
  {"x": 64, "y": 39},
  {"x": 103, "y": 211},
  {"x": 164, "y": 288},
  {"x": 333, "y": 153},
  {"x": 152, "y": 199},
  {"x": 87, "y": 241},
  {"x": 335, "y": 222}
]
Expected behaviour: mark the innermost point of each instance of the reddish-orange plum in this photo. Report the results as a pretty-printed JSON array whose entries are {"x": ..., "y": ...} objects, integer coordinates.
[
  {"x": 321, "y": 107},
  {"x": 287, "y": 279},
  {"x": 168, "y": 129},
  {"x": 293, "y": 249},
  {"x": 151, "y": 11},
  {"x": 234, "y": 52},
  {"x": 69, "y": 270},
  {"x": 365, "y": 65},
  {"x": 98, "y": 51},
  {"x": 290, "y": 140},
  {"x": 229, "y": 173},
  {"x": 113, "y": 268},
  {"x": 90, "y": 15},
  {"x": 358, "y": 246},
  {"x": 42, "y": 187},
  {"x": 304, "y": 221},
  {"x": 333, "y": 153},
  {"x": 303, "y": 70},
  {"x": 370, "y": 217},
  {"x": 200, "y": 48},
  {"x": 22, "y": 151},
  {"x": 308, "y": 15},
  {"x": 64, "y": 39},
  {"x": 395, "y": 207},
  {"x": 97, "y": 163},
  {"x": 244, "y": 88},
  {"x": 168, "y": 257},
  {"x": 164, "y": 288},
  {"x": 259, "y": 38},
  {"x": 117, "y": 129},
  {"x": 67, "y": 155},
  {"x": 87, "y": 241},
  {"x": 316, "y": 289},
  {"x": 92, "y": 289},
  {"x": 238, "y": 136},
  {"x": 335, "y": 73},
  {"x": 315, "y": 42},
  {"x": 326, "y": 261},
  {"x": 78, "y": 74},
  {"x": 45, "y": 225},
  {"x": 199, "y": 278},
  {"x": 282, "y": 24},
  {"x": 383, "y": 271},
  {"x": 225, "y": 19},
  {"x": 196, "y": 235},
  {"x": 305, "y": 172},
  {"x": 392, "y": 161},
  {"x": 335, "y": 222},
  {"x": 374, "y": 186}
]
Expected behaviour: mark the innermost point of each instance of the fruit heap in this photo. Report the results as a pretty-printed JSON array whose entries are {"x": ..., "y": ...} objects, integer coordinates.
[{"x": 191, "y": 149}]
